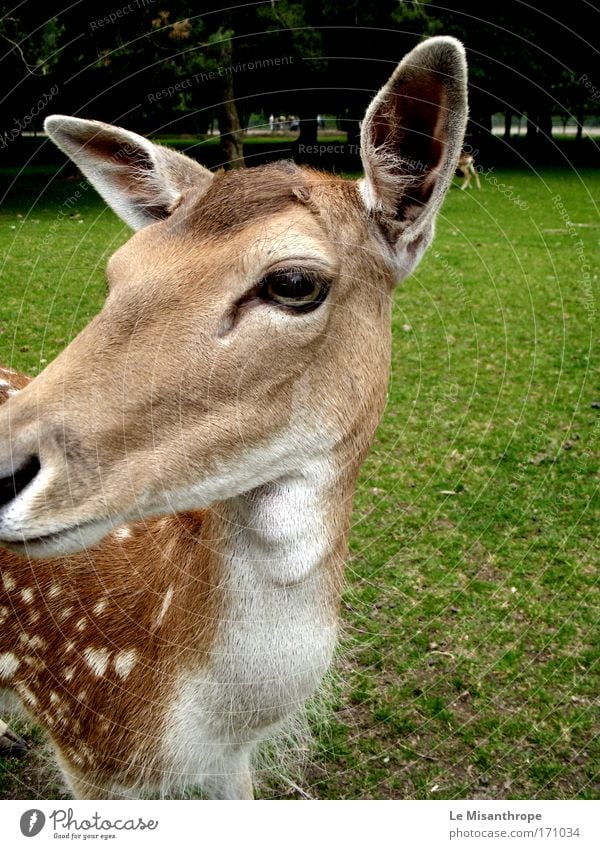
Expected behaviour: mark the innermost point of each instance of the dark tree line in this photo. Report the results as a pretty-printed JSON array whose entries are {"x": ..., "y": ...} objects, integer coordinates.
[{"x": 174, "y": 66}]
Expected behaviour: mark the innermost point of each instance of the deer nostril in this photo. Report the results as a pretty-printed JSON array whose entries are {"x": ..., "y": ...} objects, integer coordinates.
[{"x": 12, "y": 485}]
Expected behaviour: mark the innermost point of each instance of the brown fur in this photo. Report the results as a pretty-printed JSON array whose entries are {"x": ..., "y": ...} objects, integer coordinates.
[
  {"x": 110, "y": 596},
  {"x": 236, "y": 199},
  {"x": 109, "y": 723},
  {"x": 164, "y": 404},
  {"x": 108, "y": 727}
]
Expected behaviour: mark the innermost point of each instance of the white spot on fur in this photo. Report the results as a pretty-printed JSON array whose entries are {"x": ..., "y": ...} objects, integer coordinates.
[
  {"x": 69, "y": 647},
  {"x": 166, "y": 603},
  {"x": 36, "y": 642},
  {"x": 34, "y": 662},
  {"x": 101, "y": 606},
  {"x": 81, "y": 624},
  {"x": 97, "y": 660},
  {"x": 54, "y": 697},
  {"x": 3, "y": 383},
  {"x": 27, "y": 695},
  {"x": 68, "y": 673},
  {"x": 124, "y": 662},
  {"x": 82, "y": 695},
  {"x": 55, "y": 589},
  {"x": 27, "y": 595},
  {"x": 8, "y": 581},
  {"x": 61, "y": 716},
  {"x": 3, "y": 614},
  {"x": 64, "y": 614},
  {"x": 123, "y": 533},
  {"x": 9, "y": 663},
  {"x": 33, "y": 616}
]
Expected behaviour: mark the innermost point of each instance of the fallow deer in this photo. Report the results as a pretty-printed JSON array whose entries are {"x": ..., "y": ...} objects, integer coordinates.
[
  {"x": 466, "y": 166},
  {"x": 177, "y": 484}
]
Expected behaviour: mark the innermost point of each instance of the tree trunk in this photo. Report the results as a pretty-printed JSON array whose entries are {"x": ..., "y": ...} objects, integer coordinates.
[
  {"x": 580, "y": 117},
  {"x": 227, "y": 114},
  {"x": 231, "y": 135},
  {"x": 304, "y": 148},
  {"x": 486, "y": 122},
  {"x": 545, "y": 123}
]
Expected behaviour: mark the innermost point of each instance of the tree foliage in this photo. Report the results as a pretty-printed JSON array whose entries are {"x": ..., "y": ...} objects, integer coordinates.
[{"x": 177, "y": 66}]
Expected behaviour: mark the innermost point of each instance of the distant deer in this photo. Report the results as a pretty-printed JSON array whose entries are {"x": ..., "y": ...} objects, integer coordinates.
[
  {"x": 466, "y": 166},
  {"x": 177, "y": 484}
]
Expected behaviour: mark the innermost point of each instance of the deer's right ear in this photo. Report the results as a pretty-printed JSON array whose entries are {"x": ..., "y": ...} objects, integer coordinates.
[
  {"x": 140, "y": 180},
  {"x": 411, "y": 139}
]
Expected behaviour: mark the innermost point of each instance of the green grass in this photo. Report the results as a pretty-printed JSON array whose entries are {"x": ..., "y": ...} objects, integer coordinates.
[
  {"x": 183, "y": 142},
  {"x": 470, "y": 662}
]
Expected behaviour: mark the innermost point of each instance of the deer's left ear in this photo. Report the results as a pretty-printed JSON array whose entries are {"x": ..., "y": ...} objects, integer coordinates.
[
  {"x": 411, "y": 138},
  {"x": 140, "y": 180}
]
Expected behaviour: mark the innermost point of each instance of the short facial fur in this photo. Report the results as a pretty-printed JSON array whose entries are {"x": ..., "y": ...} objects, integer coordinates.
[{"x": 240, "y": 365}]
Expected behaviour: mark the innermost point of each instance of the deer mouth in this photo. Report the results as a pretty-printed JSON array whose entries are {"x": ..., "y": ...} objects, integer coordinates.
[{"x": 67, "y": 540}]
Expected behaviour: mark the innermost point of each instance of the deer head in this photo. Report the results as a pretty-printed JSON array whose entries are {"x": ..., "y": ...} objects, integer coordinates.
[{"x": 246, "y": 332}]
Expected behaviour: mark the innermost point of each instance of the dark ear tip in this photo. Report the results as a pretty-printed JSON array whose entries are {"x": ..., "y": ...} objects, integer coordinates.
[
  {"x": 59, "y": 129},
  {"x": 53, "y": 122},
  {"x": 68, "y": 126},
  {"x": 447, "y": 41},
  {"x": 443, "y": 45},
  {"x": 442, "y": 53}
]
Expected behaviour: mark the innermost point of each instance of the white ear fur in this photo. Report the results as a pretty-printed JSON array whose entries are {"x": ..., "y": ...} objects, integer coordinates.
[
  {"x": 140, "y": 180},
  {"x": 411, "y": 138}
]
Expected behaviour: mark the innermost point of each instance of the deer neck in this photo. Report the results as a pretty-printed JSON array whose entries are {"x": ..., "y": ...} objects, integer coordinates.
[
  {"x": 284, "y": 533},
  {"x": 281, "y": 549}
]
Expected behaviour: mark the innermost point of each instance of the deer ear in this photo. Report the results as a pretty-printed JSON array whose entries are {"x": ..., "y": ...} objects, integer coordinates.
[
  {"x": 140, "y": 180},
  {"x": 411, "y": 138}
]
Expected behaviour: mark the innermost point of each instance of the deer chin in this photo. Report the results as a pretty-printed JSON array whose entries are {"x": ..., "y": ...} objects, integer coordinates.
[{"x": 66, "y": 540}]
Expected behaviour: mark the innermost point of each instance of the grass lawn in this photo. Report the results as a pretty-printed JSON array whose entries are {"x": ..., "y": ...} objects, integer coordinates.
[{"x": 470, "y": 660}]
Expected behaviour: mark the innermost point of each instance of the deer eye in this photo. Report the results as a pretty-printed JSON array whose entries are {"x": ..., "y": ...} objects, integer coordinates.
[{"x": 298, "y": 290}]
